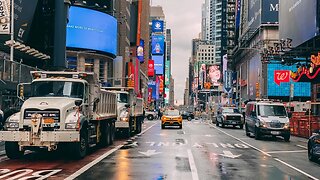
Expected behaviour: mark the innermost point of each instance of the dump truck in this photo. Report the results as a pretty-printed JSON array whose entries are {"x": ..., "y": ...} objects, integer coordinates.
[
  {"x": 68, "y": 110},
  {"x": 130, "y": 114}
]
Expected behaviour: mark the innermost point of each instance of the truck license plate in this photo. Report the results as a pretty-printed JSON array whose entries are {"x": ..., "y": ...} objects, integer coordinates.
[
  {"x": 48, "y": 120},
  {"x": 275, "y": 132}
]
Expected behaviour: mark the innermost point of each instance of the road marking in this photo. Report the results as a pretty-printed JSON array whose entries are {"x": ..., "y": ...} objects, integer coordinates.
[
  {"x": 297, "y": 151},
  {"x": 229, "y": 154},
  {"x": 302, "y": 172},
  {"x": 197, "y": 145},
  {"x": 86, "y": 167},
  {"x": 150, "y": 152},
  {"x": 193, "y": 167},
  {"x": 304, "y": 147}
]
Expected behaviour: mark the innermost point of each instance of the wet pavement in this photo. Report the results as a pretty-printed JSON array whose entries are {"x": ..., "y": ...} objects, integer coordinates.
[{"x": 199, "y": 150}]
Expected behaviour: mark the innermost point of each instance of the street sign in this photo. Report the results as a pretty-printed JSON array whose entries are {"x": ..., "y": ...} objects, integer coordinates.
[
  {"x": 4, "y": 16},
  {"x": 227, "y": 83}
]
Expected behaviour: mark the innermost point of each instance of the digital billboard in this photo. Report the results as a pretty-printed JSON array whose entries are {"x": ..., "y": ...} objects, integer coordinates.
[
  {"x": 254, "y": 14},
  {"x": 157, "y": 26},
  {"x": 298, "y": 20},
  {"x": 270, "y": 12},
  {"x": 140, "y": 51},
  {"x": 93, "y": 30},
  {"x": 167, "y": 72},
  {"x": 282, "y": 88},
  {"x": 157, "y": 44},
  {"x": 213, "y": 74},
  {"x": 158, "y": 64},
  {"x": 153, "y": 87},
  {"x": 151, "y": 68}
]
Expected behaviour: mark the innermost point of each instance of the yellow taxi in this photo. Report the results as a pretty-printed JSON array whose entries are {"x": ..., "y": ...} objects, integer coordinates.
[{"x": 171, "y": 118}]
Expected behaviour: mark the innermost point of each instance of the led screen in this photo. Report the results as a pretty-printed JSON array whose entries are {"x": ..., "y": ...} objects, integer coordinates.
[
  {"x": 301, "y": 89},
  {"x": 93, "y": 30},
  {"x": 298, "y": 20},
  {"x": 158, "y": 64},
  {"x": 157, "y": 44},
  {"x": 157, "y": 26}
]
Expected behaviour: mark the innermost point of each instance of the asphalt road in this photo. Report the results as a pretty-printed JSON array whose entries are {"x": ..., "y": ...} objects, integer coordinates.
[{"x": 198, "y": 151}]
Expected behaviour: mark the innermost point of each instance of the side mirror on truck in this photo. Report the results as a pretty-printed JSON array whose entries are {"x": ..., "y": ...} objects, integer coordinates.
[
  {"x": 127, "y": 105},
  {"x": 78, "y": 102}
]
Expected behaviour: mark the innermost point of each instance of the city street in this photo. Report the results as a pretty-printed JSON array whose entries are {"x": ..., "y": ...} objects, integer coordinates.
[{"x": 199, "y": 150}]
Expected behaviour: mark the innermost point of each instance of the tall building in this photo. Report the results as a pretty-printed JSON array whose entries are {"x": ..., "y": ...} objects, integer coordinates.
[
  {"x": 171, "y": 100},
  {"x": 208, "y": 21},
  {"x": 168, "y": 63}
]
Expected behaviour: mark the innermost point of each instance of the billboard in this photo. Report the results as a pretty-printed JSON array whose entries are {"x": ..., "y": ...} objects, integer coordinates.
[
  {"x": 167, "y": 95},
  {"x": 270, "y": 12},
  {"x": 93, "y": 30},
  {"x": 158, "y": 64},
  {"x": 152, "y": 86},
  {"x": 157, "y": 44},
  {"x": 279, "y": 83},
  {"x": 157, "y": 26},
  {"x": 298, "y": 20},
  {"x": 167, "y": 72},
  {"x": 213, "y": 74},
  {"x": 254, "y": 14},
  {"x": 151, "y": 68},
  {"x": 140, "y": 51},
  {"x": 161, "y": 83}
]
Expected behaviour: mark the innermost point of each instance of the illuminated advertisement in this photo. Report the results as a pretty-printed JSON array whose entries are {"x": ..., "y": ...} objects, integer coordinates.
[
  {"x": 157, "y": 26},
  {"x": 270, "y": 11},
  {"x": 140, "y": 51},
  {"x": 202, "y": 75},
  {"x": 254, "y": 14},
  {"x": 167, "y": 95},
  {"x": 151, "y": 68},
  {"x": 157, "y": 44},
  {"x": 309, "y": 73},
  {"x": 279, "y": 82},
  {"x": 152, "y": 86},
  {"x": 298, "y": 20},
  {"x": 213, "y": 74},
  {"x": 161, "y": 83},
  {"x": 158, "y": 64},
  {"x": 93, "y": 30}
]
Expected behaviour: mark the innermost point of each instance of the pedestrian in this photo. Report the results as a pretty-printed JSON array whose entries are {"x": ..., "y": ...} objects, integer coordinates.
[
  {"x": 1, "y": 118},
  {"x": 159, "y": 113}
]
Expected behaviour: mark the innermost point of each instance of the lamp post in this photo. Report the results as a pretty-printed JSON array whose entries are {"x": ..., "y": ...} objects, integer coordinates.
[{"x": 12, "y": 39}]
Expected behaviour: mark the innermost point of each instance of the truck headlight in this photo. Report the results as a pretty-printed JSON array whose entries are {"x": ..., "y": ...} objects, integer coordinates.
[
  {"x": 124, "y": 116},
  {"x": 72, "y": 125},
  {"x": 72, "y": 120},
  {"x": 286, "y": 126},
  {"x": 125, "y": 119},
  {"x": 262, "y": 124},
  {"x": 12, "y": 123}
]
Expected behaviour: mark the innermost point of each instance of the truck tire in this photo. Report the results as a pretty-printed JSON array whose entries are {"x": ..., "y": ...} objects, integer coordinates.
[
  {"x": 12, "y": 150},
  {"x": 112, "y": 132},
  {"x": 105, "y": 134},
  {"x": 80, "y": 148},
  {"x": 286, "y": 138},
  {"x": 257, "y": 134},
  {"x": 139, "y": 124}
]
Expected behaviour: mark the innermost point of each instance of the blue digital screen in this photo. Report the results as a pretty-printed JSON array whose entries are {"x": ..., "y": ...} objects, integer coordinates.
[
  {"x": 301, "y": 89},
  {"x": 270, "y": 11},
  {"x": 140, "y": 51},
  {"x": 157, "y": 44},
  {"x": 158, "y": 64},
  {"x": 153, "y": 86},
  {"x": 157, "y": 26},
  {"x": 93, "y": 30}
]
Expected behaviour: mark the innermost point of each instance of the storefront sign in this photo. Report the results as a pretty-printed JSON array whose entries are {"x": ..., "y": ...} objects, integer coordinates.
[{"x": 281, "y": 76}]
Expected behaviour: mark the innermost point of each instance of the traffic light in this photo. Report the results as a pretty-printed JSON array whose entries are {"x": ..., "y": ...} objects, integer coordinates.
[{"x": 21, "y": 91}]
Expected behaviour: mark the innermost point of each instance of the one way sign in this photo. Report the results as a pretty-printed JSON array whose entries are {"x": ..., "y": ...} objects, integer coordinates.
[{"x": 227, "y": 81}]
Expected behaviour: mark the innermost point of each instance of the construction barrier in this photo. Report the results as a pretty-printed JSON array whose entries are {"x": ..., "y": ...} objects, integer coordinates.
[{"x": 300, "y": 124}]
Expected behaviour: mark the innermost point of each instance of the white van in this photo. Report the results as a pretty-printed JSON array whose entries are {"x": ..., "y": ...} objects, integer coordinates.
[{"x": 267, "y": 117}]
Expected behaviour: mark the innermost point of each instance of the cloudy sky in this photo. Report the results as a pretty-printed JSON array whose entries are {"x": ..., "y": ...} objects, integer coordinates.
[{"x": 183, "y": 17}]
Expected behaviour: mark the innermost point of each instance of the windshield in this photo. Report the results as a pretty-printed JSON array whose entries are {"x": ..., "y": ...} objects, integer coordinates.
[
  {"x": 123, "y": 98},
  {"x": 57, "y": 89},
  {"x": 230, "y": 110},
  {"x": 271, "y": 110},
  {"x": 172, "y": 113}
]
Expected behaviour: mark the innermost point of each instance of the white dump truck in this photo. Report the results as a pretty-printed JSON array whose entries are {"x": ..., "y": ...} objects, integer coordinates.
[
  {"x": 129, "y": 110},
  {"x": 68, "y": 110}
]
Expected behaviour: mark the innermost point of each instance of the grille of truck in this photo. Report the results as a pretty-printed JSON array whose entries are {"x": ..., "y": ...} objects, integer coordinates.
[
  {"x": 234, "y": 118},
  {"x": 47, "y": 113}
]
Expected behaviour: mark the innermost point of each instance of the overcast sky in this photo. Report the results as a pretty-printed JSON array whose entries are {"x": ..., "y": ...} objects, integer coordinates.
[{"x": 183, "y": 17}]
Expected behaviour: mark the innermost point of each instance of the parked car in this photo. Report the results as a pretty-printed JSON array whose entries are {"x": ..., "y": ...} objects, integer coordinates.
[
  {"x": 267, "y": 117},
  {"x": 171, "y": 118},
  {"x": 314, "y": 146},
  {"x": 187, "y": 115},
  {"x": 151, "y": 115},
  {"x": 229, "y": 116}
]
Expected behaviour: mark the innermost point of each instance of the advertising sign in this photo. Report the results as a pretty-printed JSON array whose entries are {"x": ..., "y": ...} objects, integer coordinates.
[
  {"x": 202, "y": 75},
  {"x": 5, "y": 17},
  {"x": 254, "y": 14},
  {"x": 227, "y": 82},
  {"x": 23, "y": 14},
  {"x": 300, "y": 89},
  {"x": 161, "y": 84},
  {"x": 213, "y": 74},
  {"x": 157, "y": 44},
  {"x": 158, "y": 64},
  {"x": 298, "y": 20},
  {"x": 281, "y": 76},
  {"x": 149, "y": 94},
  {"x": 152, "y": 86},
  {"x": 151, "y": 68},
  {"x": 167, "y": 72},
  {"x": 270, "y": 11},
  {"x": 157, "y": 26},
  {"x": 238, "y": 10},
  {"x": 140, "y": 51},
  {"x": 93, "y": 30},
  {"x": 167, "y": 95}
]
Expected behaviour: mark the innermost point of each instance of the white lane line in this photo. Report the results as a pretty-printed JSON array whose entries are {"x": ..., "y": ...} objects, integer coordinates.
[
  {"x": 193, "y": 167},
  {"x": 304, "y": 147},
  {"x": 142, "y": 132},
  {"x": 86, "y": 167},
  {"x": 302, "y": 172},
  {"x": 297, "y": 151},
  {"x": 242, "y": 141}
]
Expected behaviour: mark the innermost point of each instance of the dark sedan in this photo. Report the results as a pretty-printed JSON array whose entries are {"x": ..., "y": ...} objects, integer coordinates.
[
  {"x": 187, "y": 115},
  {"x": 314, "y": 146}
]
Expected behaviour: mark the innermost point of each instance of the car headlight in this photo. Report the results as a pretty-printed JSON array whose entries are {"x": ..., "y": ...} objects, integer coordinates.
[
  {"x": 286, "y": 126},
  {"x": 165, "y": 118},
  {"x": 262, "y": 124}
]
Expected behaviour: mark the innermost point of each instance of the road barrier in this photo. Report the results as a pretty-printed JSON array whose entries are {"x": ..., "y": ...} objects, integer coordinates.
[{"x": 300, "y": 124}]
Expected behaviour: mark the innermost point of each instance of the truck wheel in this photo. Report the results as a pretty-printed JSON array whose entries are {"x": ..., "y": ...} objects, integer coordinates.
[
  {"x": 12, "y": 150},
  {"x": 139, "y": 124},
  {"x": 189, "y": 118},
  {"x": 81, "y": 148},
  {"x": 286, "y": 138},
  {"x": 112, "y": 132},
  {"x": 257, "y": 134},
  {"x": 105, "y": 134}
]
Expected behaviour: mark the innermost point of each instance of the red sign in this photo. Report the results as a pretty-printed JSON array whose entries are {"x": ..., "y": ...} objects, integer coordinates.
[
  {"x": 149, "y": 94},
  {"x": 151, "y": 68},
  {"x": 281, "y": 76},
  {"x": 161, "y": 83}
]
